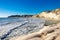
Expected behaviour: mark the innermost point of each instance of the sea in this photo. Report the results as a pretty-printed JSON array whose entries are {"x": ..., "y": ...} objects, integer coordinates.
[
  {"x": 11, "y": 27},
  {"x": 11, "y": 20}
]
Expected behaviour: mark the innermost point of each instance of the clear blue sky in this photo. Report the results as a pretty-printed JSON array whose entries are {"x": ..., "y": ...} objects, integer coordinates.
[{"x": 21, "y": 7}]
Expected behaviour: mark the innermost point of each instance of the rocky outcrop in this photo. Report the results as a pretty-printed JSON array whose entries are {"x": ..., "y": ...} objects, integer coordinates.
[
  {"x": 50, "y": 16},
  {"x": 51, "y": 32}
]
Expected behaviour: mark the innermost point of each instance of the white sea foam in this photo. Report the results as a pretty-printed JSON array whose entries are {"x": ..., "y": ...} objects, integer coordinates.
[{"x": 31, "y": 25}]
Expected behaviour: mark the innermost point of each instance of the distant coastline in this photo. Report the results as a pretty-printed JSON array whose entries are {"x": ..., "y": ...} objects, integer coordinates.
[{"x": 17, "y": 16}]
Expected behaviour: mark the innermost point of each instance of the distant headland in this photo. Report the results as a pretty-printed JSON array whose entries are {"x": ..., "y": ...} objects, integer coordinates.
[{"x": 23, "y": 16}]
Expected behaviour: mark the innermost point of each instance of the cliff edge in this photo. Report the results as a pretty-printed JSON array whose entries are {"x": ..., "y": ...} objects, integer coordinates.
[{"x": 50, "y": 16}]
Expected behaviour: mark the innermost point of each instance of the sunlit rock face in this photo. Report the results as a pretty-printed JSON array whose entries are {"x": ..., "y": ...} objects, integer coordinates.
[
  {"x": 51, "y": 16},
  {"x": 51, "y": 32}
]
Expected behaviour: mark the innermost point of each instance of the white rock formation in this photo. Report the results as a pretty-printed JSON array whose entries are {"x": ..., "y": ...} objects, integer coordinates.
[
  {"x": 53, "y": 15},
  {"x": 47, "y": 33}
]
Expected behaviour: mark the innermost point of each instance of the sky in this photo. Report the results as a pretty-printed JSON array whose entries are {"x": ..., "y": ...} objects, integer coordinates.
[{"x": 26, "y": 7}]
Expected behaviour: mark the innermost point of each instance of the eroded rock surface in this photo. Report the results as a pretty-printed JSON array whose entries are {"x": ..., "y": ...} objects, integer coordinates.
[
  {"x": 51, "y": 32},
  {"x": 51, "y": 17}
]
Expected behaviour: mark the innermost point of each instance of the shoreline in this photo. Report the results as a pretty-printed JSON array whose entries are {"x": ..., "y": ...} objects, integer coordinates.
[
  {"x": 46, "y": 33},
  {"x": 33, "y": 25}
]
